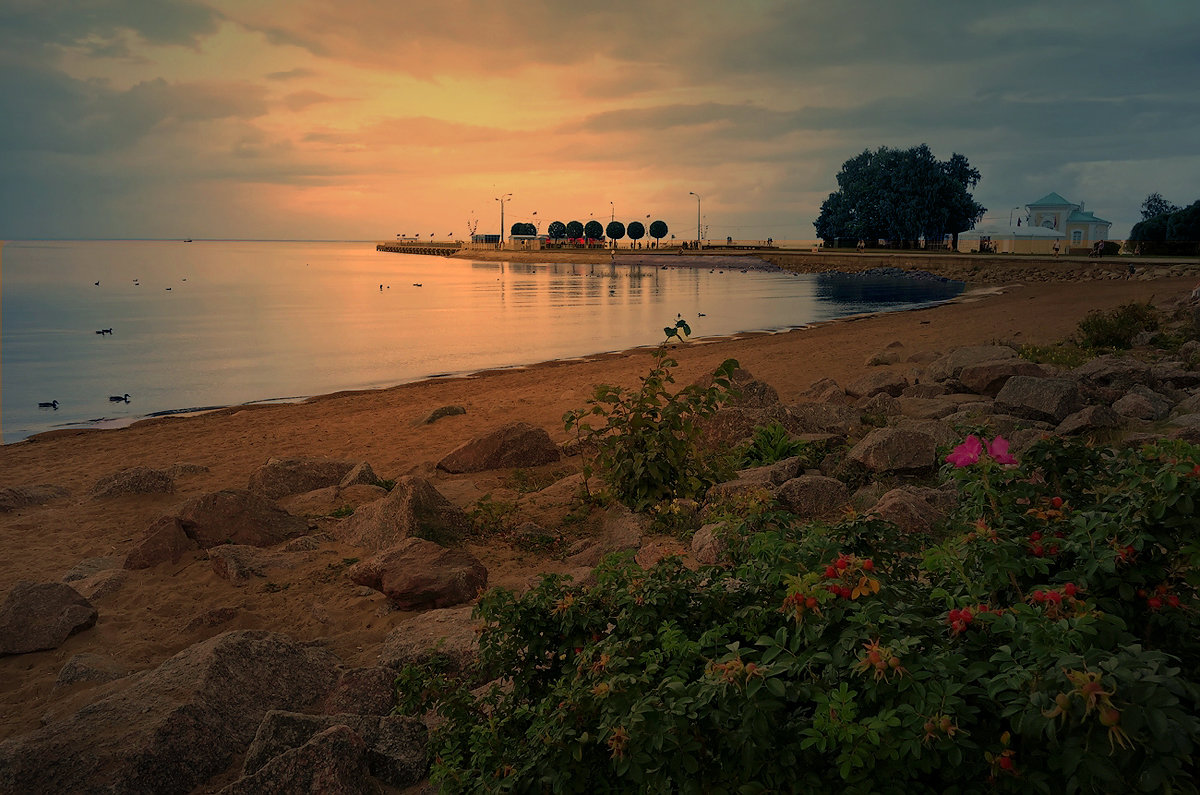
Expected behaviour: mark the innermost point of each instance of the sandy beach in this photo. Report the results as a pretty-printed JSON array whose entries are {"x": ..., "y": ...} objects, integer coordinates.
[{"x": 159, "y": 611}]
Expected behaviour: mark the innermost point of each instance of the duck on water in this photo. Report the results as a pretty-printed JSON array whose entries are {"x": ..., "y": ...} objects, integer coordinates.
[
  {"x": 53, "y": 404},
  {"x": 119, "y": 398}
]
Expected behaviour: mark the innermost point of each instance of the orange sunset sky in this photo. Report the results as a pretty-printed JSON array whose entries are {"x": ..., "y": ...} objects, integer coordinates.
[{"x": 356, "y": 119}]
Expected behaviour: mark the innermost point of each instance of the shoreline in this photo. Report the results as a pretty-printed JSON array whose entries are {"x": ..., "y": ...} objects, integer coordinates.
[{"x": 119, "y": 423}]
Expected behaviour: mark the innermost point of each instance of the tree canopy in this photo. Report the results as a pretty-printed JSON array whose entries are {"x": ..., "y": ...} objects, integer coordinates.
[
  {"x": 522, "y": 228},
  {"x": 593, "y": 230},
  {"x": 615, "y": 230},
  {"x": 1155, "y": 205},
  {"x": 901, "y": 195},
  {"x": 1176, "y": 232},
  {"x": 574, "y": 230},
  {"x": 658, "y": 230},
  {"x": 557, "y": 230},
  {"x": 635, "y": 230}
]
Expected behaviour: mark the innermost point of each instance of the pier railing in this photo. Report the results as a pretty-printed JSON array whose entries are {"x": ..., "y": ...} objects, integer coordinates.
[{"x": 430, "y": 248}]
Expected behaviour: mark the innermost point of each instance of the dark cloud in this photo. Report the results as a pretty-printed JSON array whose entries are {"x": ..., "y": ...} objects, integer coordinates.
[
  {"x": 291, "y": 74},
  {"x": 99, "y": 27}
]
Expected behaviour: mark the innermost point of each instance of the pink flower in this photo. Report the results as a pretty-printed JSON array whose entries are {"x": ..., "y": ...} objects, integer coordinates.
[
  {"x": 968, "y": 452},
  {"x": 998, "y": 450}
]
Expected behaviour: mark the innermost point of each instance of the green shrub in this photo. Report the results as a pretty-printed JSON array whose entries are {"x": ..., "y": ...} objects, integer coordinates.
[
  {"x": 1050, "y": 644},
  {"x": 770, "y": 443},
  {"x": 647, "y": 448},
  {"x": 1116, "y": 329},
  {"x": 492, "y": 518},
  {"x": 1063, "y": 354}
]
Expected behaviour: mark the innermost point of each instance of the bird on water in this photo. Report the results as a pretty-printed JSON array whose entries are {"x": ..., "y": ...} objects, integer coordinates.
[
  {"x": 53, "y": 404},
  {"x": 119, "y": 398}
]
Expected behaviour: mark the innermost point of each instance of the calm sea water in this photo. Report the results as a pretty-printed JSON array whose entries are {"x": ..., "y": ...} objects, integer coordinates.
[{"x": 222, "y": 323}]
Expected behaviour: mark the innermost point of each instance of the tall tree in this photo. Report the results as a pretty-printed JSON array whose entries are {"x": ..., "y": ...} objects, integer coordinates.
[
  {"x": 593, "y": 230},
  {"x": 1155, "y": 204},
  {"x": 615, "y": 231},
  {"x": 901, "y": 195},
  {"x": 574, "y": 230},
  {"x": 557, "y": 230},
  {"x": 658, "y": 230},
  {"x": 635, "y": 230}
]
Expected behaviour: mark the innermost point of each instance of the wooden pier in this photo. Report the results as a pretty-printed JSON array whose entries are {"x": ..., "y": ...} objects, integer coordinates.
[{"x": 434, "y": 249}]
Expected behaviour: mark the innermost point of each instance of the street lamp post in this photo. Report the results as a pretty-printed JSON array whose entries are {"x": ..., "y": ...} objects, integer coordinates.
[
  {"x": 502, "y": 200},
  {"x": 1010, "y": 212},
  {"x": 697, "y": 195}
]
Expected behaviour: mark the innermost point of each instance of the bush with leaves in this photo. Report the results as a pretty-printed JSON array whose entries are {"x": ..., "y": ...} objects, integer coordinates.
[
  {"x": 1048, "y": 644},
  {"x": 1116, "y": 329},
  {"x": 647, "y": 448}
]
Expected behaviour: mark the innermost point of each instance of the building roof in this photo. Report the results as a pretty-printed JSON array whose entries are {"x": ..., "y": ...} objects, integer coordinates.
[
  {"x": 1081, "y": 217},
  {"x": 1051, "y": 200}
]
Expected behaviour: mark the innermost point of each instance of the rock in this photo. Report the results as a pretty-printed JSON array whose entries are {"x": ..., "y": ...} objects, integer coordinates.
[
  {"x": 881, "y": 404},
  {"x": 1189, "y": 405},
  {"x": 825, "y": 390},
  {"x": 823, "y": 418},
  {"x": 987, "y": 378},
  {"x": 417, "y": 574},
  {"x": 91, "y": 668},
  {"x": 867, "y": 495},
  {"x": 323, "y": 502},
  {"x": 1186, "y": 420},
  {"x": 1089, "y": 418},
  {"x": 235, "y": 516},
  {"x": 1047, "y": 399},
  {"x": 395, "y": 745},
  {"x": 362, "y": 691},
  {"x": 136, "y": 480},
  {"x": 729, "y": 426},
  {"x": 450, "y": 633},
  {"x": 361, "y": 475},
  {"x": 238, "y": 562},
  {"x": 100, "y": 585},
  {"x": 951, "y": 365},
  {"x": 184, "y": 469},
  {"x": 707, "y": 546},
  {"x": 1174, "y": 375},
  {"x": 732, "y": 489},
  {"x": 37, "y": 616},
  {"x": 924, "y": 391},
  {"x": 172, "y": 728},
  {"x": 413, "y": 508},
  {"x": 620, "y": 530},
  {"x": 893, "y": 383},
  {"x": 166, "y": 540},
  {"x": 281, "y": 477},
  {"x": 915, "y": 509},
  {"x": 89, "y": 566},
  {"x": 650, "y": 555},
  {"x": 331, "y": 762},
  {"x": 1143, "y": 404},
  {"x": 883, "y": 358},
  {"x": 443, "y": 411},
  {"x": 12, "y": 498},
  {"x": 518, "y": 444},
  {"x": 211, "y": 618},
  {"x": 753, "y": 394},
  {"x": 942, "y": 432},
  {"x": 1115, "y": 372},
  {"x": 814, "y": 496},
  {"x": 927, "y": 408},
  {"x": 894, "y": 450},
  {"x": 772, "y": 474}
]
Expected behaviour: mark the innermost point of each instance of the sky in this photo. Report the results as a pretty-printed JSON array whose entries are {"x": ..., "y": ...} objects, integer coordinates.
[{"x": 364, "y": 119}]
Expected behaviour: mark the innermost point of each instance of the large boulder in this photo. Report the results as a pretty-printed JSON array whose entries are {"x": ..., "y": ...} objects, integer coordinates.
[
  {"x": 417, "y": 574},
  {"x": 915, "y": 509},
  {"x": 395, "y": 745},
  {"x": 707, "y": 545},
  {"x": 895, "y": 450},
  {"x": 518, "y": 444},
  {"x": 362, "y": 691},
  {"x": 450, "y": 633},
  {"x": 1142, "y": 403},
  {"x": 1046, "y": 399},
  {"x": 824, "y": 390},
  {"x": 1112, "y": 372},
  {"x": 412, "y": 509},
  {"x": 813, "y": 496},
  {"x": 887, "y": 381},
  {"x": 823, "y": 418},
  {"x": 621, "y": 530},
  {"x": 330, "y": 762},
  {"x": 1089, "y": 418},
  {"x": 280, "y": 477},
  {"x": 41, "y": 615},
  {"x": 987, "y": 378},
  {"x": 165, "y": 541},
  {"x": 14, "y": 497},
  {"x": 135, "y": 480},
  {"x": 951, "y": 365},
  {"x": 171, "y": 729},
  {"x": 731, "y": 425},
  {"x": 236, "y": 516}
]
